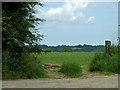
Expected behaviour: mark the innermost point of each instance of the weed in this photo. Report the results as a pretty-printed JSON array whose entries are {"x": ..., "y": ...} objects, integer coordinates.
[
  {"x": 104, "y": 63},
  {"x": 26, "y": 66},
  {"x": 71, "y": 69}
]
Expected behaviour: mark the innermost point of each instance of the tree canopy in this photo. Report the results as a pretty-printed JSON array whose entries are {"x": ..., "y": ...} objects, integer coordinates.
[
  {"x": 18, "y": 23},
  {"x": 66, "y": 49}
]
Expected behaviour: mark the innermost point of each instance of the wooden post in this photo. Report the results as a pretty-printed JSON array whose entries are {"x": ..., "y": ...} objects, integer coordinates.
[{"x": 108, "y": 47}]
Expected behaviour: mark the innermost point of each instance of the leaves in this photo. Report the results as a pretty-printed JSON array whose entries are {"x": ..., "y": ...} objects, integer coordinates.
[{"x": 17, "y": 20}]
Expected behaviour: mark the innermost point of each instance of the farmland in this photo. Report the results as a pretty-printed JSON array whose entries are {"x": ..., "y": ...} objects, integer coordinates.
[{"x": 83, "y": 58}]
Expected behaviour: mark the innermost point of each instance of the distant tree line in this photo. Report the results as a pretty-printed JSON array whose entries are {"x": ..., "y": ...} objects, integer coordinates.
[{"x": 65, "y": 48}]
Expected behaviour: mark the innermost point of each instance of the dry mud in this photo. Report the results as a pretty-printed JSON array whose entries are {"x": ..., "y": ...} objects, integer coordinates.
[{"x": 98, "y": 81}]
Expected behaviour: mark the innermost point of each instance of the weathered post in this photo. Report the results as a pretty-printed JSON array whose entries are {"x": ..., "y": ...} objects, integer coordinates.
[{"x": 108, "y": 47}]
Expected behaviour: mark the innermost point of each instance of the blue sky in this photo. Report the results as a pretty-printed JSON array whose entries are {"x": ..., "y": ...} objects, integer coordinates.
[{"x": 73, "y": 23}]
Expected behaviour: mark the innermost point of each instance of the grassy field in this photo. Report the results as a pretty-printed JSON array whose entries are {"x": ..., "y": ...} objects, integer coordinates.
[{"x": 83, "y": 58}]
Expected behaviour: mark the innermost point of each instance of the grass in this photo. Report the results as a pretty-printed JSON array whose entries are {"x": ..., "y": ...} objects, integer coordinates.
[
  {"x": 71, "y": 69},
  {"x": 30, "y": 65},
  {"x": 106, "y": 63},
  {"x": 26, "y": 67},
  {"x": 82, "y": 58}
]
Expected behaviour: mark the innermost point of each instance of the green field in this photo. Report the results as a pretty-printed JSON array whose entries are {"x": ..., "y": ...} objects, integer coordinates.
[{"x": 83, "y": 58}]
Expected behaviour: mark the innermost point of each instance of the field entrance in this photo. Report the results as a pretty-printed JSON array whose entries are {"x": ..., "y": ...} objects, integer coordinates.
[
  {"x": 83, "y": 58},
  {"x": 53, "y": 60}
]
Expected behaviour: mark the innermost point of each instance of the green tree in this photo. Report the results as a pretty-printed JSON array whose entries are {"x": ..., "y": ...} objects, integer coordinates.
[
  {"x": 18, "y": 25},
  {"x": 66, "y": 49},
  {"x": 35, "y": 48},
  {"x": 48, "y": 50},
  {"x": 19, "y": 29}
]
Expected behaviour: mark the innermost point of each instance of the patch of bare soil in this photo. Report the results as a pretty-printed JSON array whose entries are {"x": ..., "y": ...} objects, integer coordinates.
[
  {"x": 59, "y": 80},
  {"x": 90, "y": 82},
  {"x": 56, "y": 75}
]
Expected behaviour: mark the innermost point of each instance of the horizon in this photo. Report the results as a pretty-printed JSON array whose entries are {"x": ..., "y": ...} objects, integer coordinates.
[{"x": 74, "y": 45}]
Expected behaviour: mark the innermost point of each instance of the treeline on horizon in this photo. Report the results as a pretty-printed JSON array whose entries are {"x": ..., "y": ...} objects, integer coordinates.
[{"x": 65, "y": 48}]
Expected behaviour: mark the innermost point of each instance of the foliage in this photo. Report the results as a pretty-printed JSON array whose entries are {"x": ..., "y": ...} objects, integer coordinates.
[
  {"x": 18, "y": 25},
  {"x": 27, "y": 66},
  {"x": 33, "y": 48},
  {"x": 71, "y": 69},
  {"x": 19, "y": 29},
  {"x": 66, "y": 49},
  {"x": 114, "y": 49},
  {"x": 48, "y": 50},
  {"x": 77, "y": 48},
  {"x": 104, "y": 63}
]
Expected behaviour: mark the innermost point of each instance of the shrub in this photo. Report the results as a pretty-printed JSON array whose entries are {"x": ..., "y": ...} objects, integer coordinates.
[
  {"x": 71, "y": 69},
  {"x": 104, "y": 63},
  {"x": 48, "y": 50},
  {"x": 114, "y": 49},
  {"x": 65, "y": 49},
  {"x": 32, "y": 67},
  {"x": 26, "y": 66}
]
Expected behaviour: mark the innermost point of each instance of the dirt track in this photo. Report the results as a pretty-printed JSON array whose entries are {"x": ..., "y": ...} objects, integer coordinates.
[{"x": 100, "y": 81}]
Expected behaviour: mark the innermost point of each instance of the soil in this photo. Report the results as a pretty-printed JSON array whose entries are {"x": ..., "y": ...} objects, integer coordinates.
[{"x": 59, "y": 80}]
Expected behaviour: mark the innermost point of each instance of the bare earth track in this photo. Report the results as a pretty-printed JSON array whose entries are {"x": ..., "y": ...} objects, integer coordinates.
[{"x": 86, "y": 81}]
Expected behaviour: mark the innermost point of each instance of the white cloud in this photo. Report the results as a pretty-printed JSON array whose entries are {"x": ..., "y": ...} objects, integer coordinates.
[
  {"x": 68, "y": 7},
  {"x": 54, "y": 11},
  {"x": 82, "y": 0},
  {"x": 74, "y": 17},
  {"x": 91, "y": 19},
  {"x": 71, "y": 11}
]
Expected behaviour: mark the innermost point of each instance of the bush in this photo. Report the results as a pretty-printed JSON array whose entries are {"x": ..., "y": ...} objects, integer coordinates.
[
  {"x": 65, "y": 49},
  {"x": 114, "y": 49},
  {"x": 26, "y": 66},
  {"x": 105, "y": 63},
  {"x": 71, "y": 69},
  {"x": 48, "y": 50}
]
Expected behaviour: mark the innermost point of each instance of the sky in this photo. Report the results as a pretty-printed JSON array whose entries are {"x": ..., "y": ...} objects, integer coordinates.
[{"x": 73, "y": 23}]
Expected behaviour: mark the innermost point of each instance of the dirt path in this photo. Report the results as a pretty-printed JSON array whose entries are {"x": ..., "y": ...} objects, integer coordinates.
[{"x": 87, "y": 81}]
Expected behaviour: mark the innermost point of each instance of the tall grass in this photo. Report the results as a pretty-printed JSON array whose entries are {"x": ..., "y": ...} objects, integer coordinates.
[
  {"x": 105, "y": 63},
  {"x": 71, "y": 69},
  {"x": 27, "y": 66}
]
